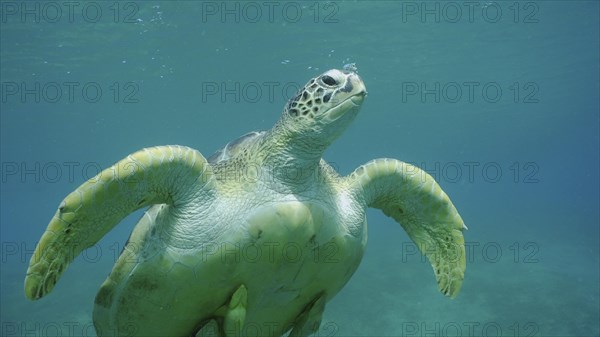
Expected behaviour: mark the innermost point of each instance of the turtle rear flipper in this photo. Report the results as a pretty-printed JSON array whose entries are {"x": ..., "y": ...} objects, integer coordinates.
[{"x": 309, "y": 321}]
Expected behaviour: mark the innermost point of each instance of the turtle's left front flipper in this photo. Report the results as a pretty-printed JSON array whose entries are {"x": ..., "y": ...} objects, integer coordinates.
[
  {"x": 415, "y": 200},
  {"x": 160, "y": 175}
]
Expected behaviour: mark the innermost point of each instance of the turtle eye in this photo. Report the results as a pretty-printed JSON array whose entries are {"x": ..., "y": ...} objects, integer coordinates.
[{"x": 329, "y": 80}]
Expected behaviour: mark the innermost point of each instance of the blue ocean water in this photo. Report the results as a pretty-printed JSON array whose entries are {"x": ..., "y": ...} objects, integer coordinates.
[{"x": 497, "y": 100}]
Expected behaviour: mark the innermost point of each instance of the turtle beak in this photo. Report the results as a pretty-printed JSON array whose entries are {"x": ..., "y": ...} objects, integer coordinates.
[
  {"x": 358, "y": 88},
  {"x": 359, "y": 98}
]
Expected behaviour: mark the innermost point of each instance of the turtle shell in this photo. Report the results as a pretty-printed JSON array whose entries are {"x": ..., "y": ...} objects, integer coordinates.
[{"x": 234, "y": 147}]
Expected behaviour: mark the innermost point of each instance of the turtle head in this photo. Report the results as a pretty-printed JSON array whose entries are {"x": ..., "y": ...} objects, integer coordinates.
[
  {"x": 310, "y": 122},
  {"x": 323, "y": 108}
]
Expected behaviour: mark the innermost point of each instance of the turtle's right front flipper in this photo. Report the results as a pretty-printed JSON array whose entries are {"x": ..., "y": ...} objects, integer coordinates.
[{"x": 159, "y": 175}]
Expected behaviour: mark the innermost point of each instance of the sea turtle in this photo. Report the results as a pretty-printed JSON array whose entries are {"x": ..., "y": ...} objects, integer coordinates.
[{"x": 253, "y": 241}]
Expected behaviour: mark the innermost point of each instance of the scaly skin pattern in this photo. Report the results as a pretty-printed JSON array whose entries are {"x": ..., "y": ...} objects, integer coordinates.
[
  {"x": 254, "y": 241},
  {"x": 144, "y": 178}
]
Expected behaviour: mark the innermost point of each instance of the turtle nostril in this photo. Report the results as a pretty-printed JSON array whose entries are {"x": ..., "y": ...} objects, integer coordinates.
[{"x": 329, "y": 80}]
